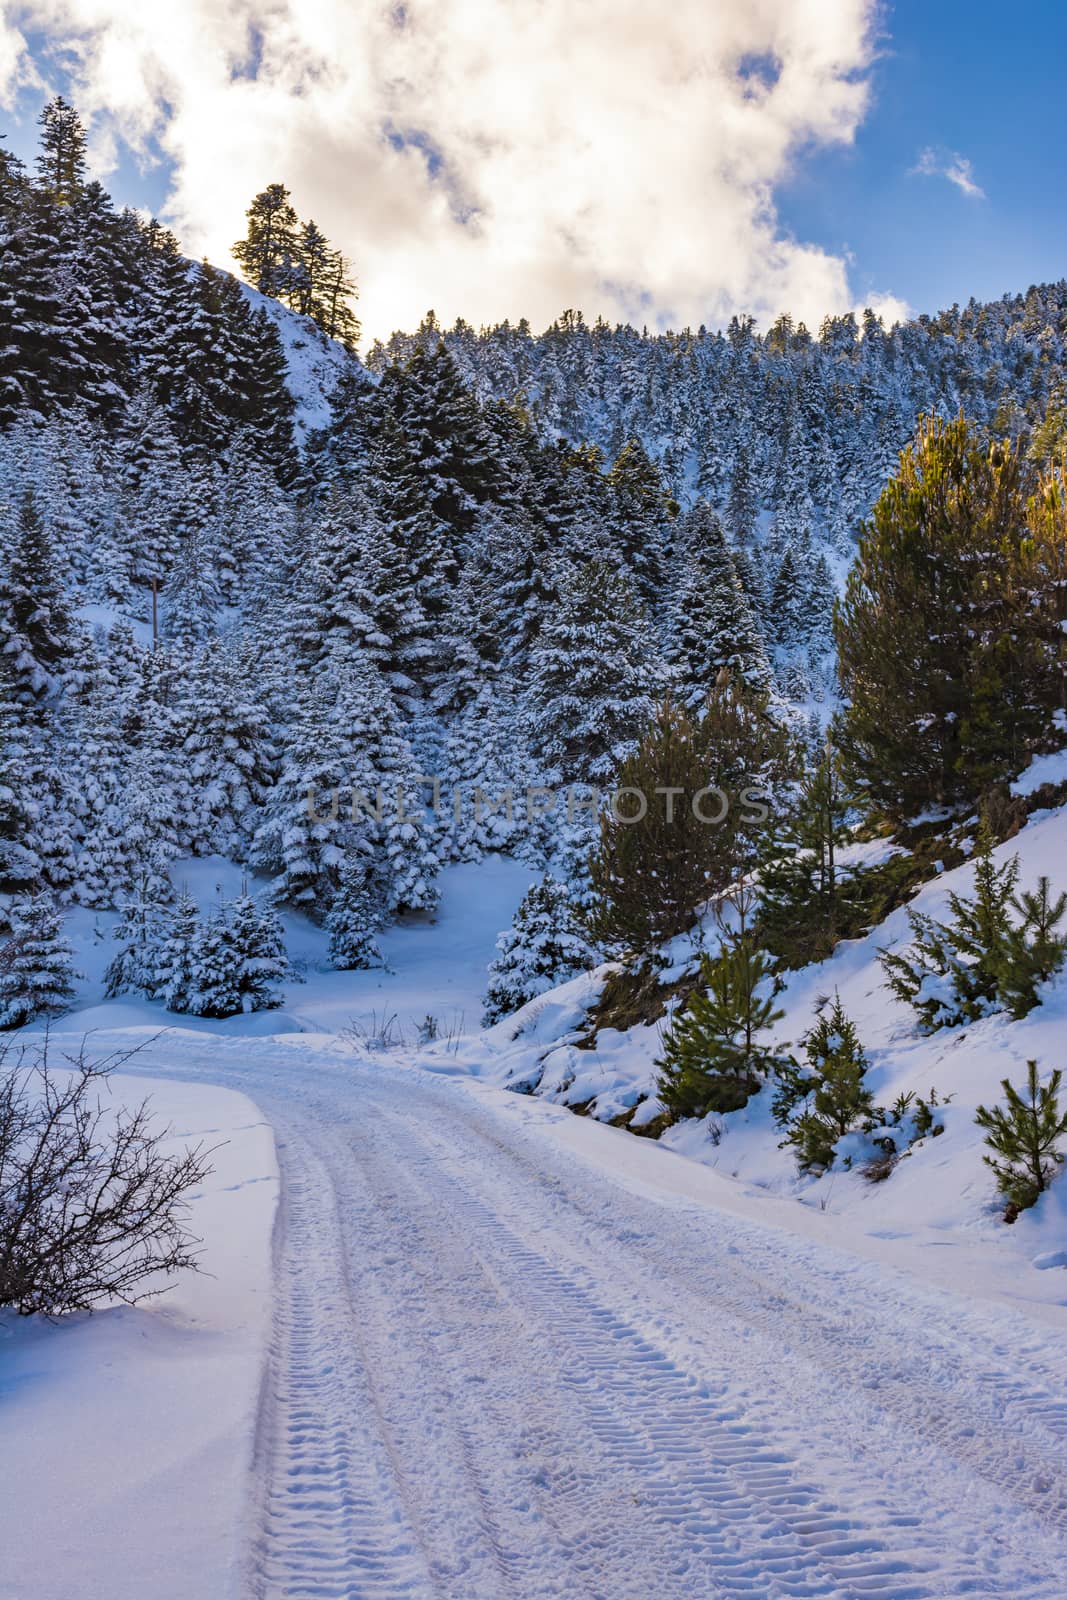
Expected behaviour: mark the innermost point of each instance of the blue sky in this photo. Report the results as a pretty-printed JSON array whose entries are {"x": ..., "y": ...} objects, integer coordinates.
[
  {"x": 969, "y": 76},
  {"x": 577, "y": 169}
]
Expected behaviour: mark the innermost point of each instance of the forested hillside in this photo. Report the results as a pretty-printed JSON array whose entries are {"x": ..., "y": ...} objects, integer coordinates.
[{"x": 487, "y": 568}]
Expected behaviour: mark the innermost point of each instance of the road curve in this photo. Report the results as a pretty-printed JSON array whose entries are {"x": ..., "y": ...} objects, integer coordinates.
[{"x": 498, "y": 1374}]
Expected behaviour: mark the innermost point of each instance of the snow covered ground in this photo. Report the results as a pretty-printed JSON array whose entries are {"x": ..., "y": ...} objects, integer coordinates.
[
  {"x": 938, "y": 1214},
  {"x": 127, "y": 1437},
  {"x": 515, "y": 1353}
]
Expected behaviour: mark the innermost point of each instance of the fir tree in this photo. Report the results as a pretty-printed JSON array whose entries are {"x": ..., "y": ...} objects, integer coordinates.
[
  {"x": 802, "y": 895},
  {"x": 711, "y": 624},
  {"x": 216, "y": 989},
  {"x": 35, "y": 628},
  {"x": 1023, "y": 1137},
  {"x": 226, "y": 751},
  {"x": 642, "y": 508},
  {"x": 257, "y": 941},
  {"x": 134, "y": 969},
  {"x": 176, "y": 963},
  {"x": 543, "y": 947},
  {"x": 485, "y": 775},
  {"x": 826, "y": 1098},
  {"x": 742, "y": 507},
  {"x": 61, "y": 163},
  {"x": 355, "y": 917},
  {"x": 712, "y": 1058},
  {"x": 191, "y": 599},
  {"x": 591, "y": 677},
  {"x": 20, "y": 862},
  {"x": 36, "y": 972}
]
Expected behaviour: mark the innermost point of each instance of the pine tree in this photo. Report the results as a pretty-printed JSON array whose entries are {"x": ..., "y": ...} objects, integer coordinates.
[
  {"x": 649, "y": 872},
  {"x": 689, "y": 805},
  {"x": 591, "y": 676},
  {"x": 61, "y": 163},
  {"x": 1023, "y": 1137},
  {"x": 36, "y": 971},
  {"x": 826, "y": 1098},
  {"x": 256, "y": 938},
  {"x": 543, "y": 948},
  {"x": 1033, "y": 951},
  {"x": 802, "y": 895},
  {"x": 712, "y": 1059},
  {"x": 175, "y": 968},
  {"x": 948, "y": 641},
  {"x": 355, "y": 917},
  {"x": 982, "y": 961}
]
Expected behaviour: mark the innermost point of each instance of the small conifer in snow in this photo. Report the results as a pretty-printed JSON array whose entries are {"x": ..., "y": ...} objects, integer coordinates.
[
  {"x": 176, "y": 963},
  {"x": 36, "y": 972},
  {"x": 217, "y": 969},
  {"x": 135, "y": 967},
  {"x": 1023, "y": 1137},
  {"x": 994, "y": 954},
  {"x": 821, "y": 1101},
  {"x": 256, "y": 935},
  {"x": 543, "y": 947},
  {"x": 712, "y": 1057},
  {"x": 355, "y": 917}
]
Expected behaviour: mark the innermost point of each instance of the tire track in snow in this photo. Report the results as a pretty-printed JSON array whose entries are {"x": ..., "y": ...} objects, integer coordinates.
[
  {"x": 500, "y": 1373},
  {"x": 957, "y": 1377},
  {"x": 331, "y": 1523}
]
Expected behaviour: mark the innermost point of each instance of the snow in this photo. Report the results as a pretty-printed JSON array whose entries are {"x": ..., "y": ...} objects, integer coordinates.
[
  {"x": 514, "y": 1351},
  {"x": 1042, "y": 769},
  {"x": 314, "y": 362},
  {"x": 128, "y": 1435},
  {"x": 938, "y": 1214},
  {"x": 517, "y": 1352}
]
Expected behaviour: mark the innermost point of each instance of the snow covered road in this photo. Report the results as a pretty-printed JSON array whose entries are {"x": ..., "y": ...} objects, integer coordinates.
[{"x": 500, "y": 1372}]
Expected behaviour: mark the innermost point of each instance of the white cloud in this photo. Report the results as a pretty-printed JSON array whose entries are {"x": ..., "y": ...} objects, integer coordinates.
[
  {"x": 951, "y": 165},
  {"x": 494, "y": 158},
  {"x": 16, "y": 68}
]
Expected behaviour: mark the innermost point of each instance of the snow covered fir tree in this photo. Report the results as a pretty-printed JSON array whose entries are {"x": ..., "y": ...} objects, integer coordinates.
[{"x": 500, "y": 599}]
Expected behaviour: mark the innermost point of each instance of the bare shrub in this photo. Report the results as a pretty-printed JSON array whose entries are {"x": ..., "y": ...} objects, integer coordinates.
[
  {"x": 91, "y": 1206},
  {"x": 375, "y": 1033}
]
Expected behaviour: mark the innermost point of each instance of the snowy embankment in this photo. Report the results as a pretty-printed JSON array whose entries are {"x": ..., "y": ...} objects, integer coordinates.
[
  {"x": 938, "y": 1212},
  {"x": 128, "y": 1435}
]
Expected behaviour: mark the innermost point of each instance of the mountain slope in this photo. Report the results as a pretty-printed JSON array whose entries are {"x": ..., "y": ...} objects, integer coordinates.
[{"x": 941, "y": 1190}]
